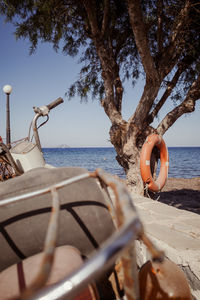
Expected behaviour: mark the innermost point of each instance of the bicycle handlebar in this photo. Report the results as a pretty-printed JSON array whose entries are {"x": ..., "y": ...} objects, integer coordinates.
[{"x": 55, "y": 103}]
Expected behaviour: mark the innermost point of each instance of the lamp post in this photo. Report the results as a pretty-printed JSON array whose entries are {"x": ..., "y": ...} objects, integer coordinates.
[{"x": 7, "y": 90}]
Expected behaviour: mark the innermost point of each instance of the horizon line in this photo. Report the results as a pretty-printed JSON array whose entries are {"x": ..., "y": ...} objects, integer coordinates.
[{"x": 74, "y": 147}]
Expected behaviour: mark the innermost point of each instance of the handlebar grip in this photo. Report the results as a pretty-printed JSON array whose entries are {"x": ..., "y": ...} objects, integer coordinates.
[{"x": 55, "y": 103}]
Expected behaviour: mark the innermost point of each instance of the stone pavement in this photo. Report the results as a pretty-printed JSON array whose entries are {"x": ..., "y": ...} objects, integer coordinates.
[{"x": 175, "y": 231}]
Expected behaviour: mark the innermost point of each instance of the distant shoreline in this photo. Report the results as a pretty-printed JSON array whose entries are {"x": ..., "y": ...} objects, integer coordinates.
[{"x": 106, "y": 147}]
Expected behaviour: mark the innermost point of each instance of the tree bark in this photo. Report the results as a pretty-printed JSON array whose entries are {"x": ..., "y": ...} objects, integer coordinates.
[{"x": 124, "y": 139}]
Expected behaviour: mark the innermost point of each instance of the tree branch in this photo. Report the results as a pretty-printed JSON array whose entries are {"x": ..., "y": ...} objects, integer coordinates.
[
  {"x": 118, "y": 93},
  {"x": 160, "y": 26},
  {"x": 90, "y": 8},
  {"x": 108, "y": 65},
  {"x": 144, "y": 106},
  {"x": 172, "y": 51},
  {"x": 113, "y": 92},
  {"x": 141, "y": 39},
  {"x": 170, "y": 87},
  {"x": 181, "y": 21},
  {"x": 187, "y": 106},
  {"x": 105, "y": 17}
]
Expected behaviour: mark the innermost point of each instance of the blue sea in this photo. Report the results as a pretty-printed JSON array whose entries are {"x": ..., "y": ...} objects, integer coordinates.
[{"x": 184, "y": 162}]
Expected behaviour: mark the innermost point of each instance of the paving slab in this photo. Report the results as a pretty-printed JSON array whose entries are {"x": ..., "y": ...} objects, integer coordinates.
[{"x": 175, "y": 231}]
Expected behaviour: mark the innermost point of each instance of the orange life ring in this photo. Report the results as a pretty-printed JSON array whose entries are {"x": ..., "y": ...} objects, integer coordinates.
[{"x": 145, "y": 158}]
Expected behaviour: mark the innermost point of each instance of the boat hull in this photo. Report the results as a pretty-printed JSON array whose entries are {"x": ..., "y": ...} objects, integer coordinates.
[{"x": 84, "y": 220}]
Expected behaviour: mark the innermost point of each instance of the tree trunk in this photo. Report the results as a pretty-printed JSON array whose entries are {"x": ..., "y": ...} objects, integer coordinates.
[
  {"x": 129, "y": 159},
  {"x": 133, "y": 177},
  {"x": 125, "y": 142}
]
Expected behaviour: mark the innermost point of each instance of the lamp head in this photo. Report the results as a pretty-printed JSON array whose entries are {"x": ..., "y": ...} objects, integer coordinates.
[{"x": 7, "y": 89}]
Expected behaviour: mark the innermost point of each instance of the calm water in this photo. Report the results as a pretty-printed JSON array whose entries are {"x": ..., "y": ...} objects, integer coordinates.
[{"x": 184, "y": 161}]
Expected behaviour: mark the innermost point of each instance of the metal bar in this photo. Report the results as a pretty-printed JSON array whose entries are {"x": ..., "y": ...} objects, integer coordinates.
[
  {"x": 157, "y": 255},
  {"x": 124, "y": 203},
  {"x": 109, "y": 201},
  {"x": 49, "y": 249},
  {"x": 124, "y": 211},
  {"x": 97, "y": 264},
  {"x": 131, "y": 282},
  {"x": 8, "y": 139},
  {"x": 35, "y": 131},
  {"x": 44, "y": 190}
]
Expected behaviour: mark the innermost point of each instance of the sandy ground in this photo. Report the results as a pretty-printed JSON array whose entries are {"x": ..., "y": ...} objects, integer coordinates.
[{"x": 182, "y": 193}]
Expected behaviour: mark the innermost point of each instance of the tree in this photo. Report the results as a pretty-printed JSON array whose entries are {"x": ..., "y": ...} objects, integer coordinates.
[{"x": 118, "y": 40}]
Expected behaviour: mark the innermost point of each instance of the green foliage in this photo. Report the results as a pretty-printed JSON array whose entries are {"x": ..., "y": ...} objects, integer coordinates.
[{"x": 65, "y": 24}]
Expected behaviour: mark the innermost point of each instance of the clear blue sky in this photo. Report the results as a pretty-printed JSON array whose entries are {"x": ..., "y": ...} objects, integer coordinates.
[{"x": 46, "y": 75}]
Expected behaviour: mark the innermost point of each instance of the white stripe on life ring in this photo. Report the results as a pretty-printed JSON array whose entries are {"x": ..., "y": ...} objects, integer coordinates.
[{"x": 147, "y": 162}]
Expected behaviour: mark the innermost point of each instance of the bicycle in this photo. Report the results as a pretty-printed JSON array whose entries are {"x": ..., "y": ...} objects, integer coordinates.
[{"x": 25, "y": 155}]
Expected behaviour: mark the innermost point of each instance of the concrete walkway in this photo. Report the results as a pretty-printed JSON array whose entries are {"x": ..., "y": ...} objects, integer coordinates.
[{"x": 175, "y": 231}]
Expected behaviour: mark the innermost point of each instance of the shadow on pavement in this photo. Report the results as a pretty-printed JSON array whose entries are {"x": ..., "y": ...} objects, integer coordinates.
[{"x": 183, "y": 199}]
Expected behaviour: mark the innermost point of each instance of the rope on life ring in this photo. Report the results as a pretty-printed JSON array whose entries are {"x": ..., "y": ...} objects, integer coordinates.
[{"x": 152, "y": 141}]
